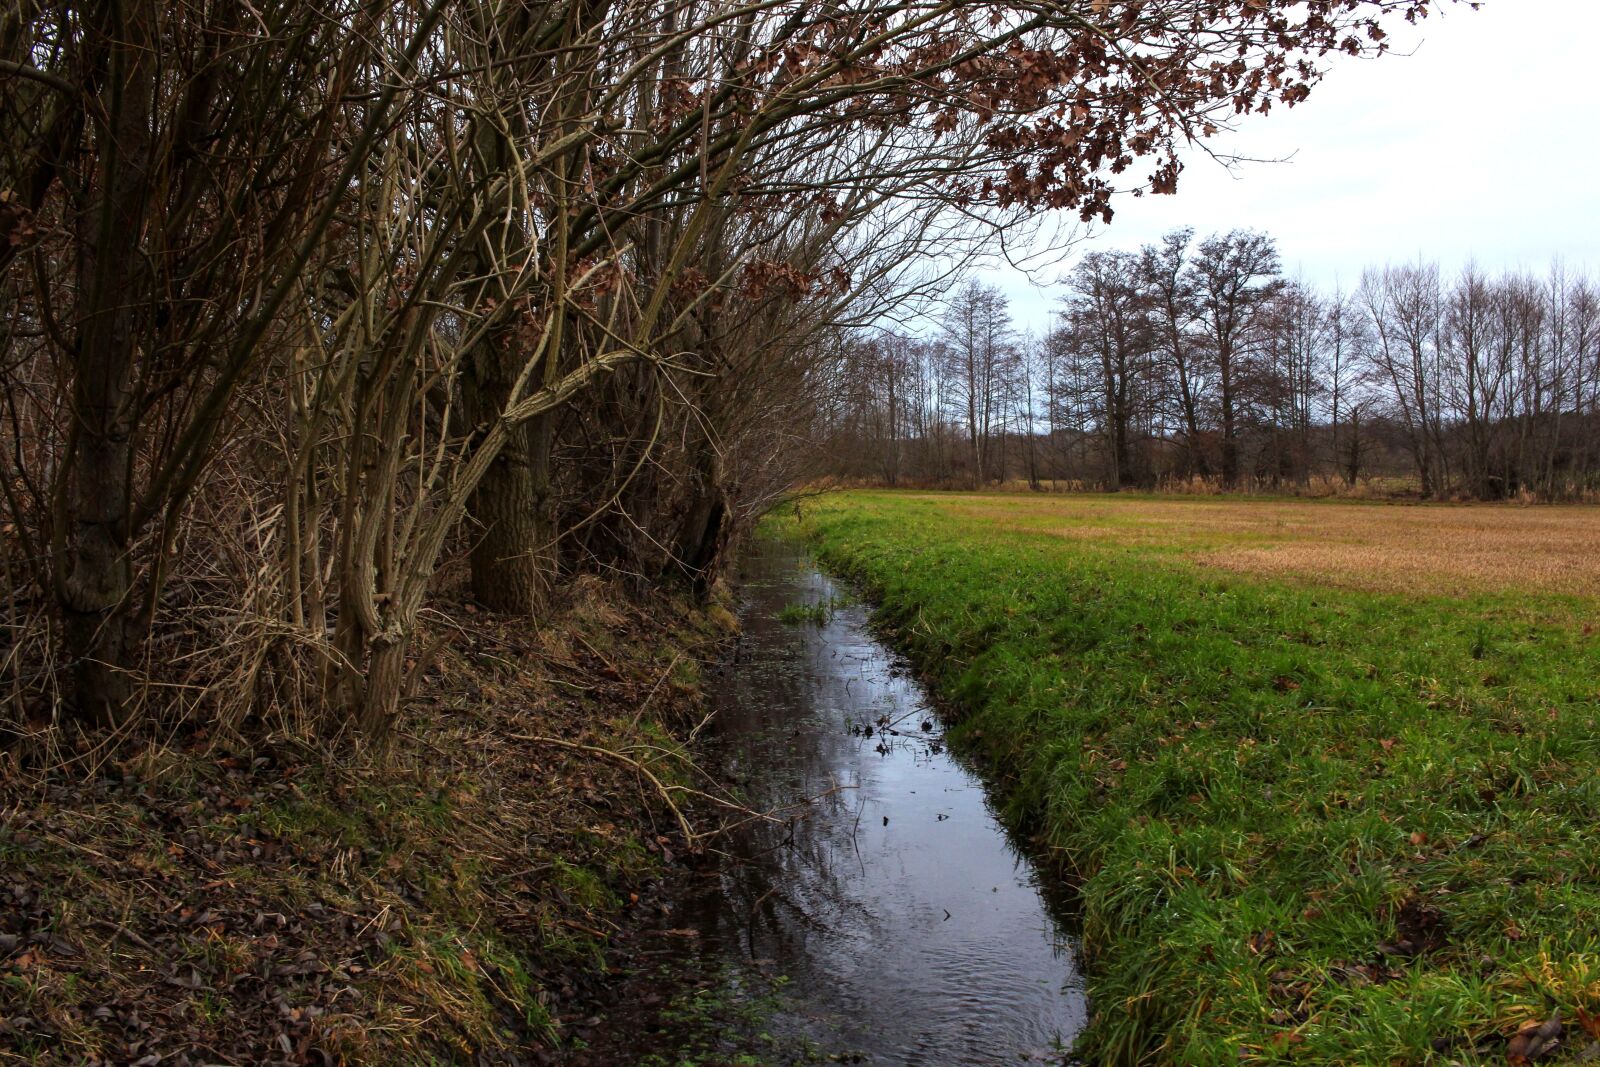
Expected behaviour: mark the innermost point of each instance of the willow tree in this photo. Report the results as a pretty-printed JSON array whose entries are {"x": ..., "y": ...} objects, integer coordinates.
[{"x": 168, "y": 172}]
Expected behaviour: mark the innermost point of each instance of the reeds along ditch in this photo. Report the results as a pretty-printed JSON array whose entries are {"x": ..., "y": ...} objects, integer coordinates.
[{"x": 1307, "y": 823}]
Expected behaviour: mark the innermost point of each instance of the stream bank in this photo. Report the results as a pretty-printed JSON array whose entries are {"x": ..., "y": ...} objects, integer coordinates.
[
  {"x": 248, "y": 897},
  {"x": 884, "y": 915}
]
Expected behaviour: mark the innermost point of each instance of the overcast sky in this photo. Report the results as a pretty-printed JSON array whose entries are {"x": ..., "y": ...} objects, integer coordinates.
[{"x": 1484, "y": 144}]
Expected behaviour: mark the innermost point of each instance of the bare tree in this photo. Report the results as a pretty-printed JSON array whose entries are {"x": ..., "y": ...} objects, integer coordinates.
[
  {"x": 1403, "y": 308},
  {"x": 1175, "y": 315},
  {"x": 390, "y": 282},
  {"x": 1235, "y": 276},
  {"x": 1106, "y": 319},
  {"x": 979, "y": 343}
]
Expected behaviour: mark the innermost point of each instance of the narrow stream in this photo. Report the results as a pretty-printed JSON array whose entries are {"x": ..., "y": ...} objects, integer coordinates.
[{"x": 910, "y": 927}]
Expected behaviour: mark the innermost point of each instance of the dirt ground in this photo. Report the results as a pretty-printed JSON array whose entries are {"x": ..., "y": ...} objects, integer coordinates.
[{"x": 216, "y": 900}]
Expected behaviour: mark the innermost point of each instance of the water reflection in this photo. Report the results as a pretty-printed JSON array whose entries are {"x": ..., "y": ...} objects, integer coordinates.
[{"x": 910, "y": 927}]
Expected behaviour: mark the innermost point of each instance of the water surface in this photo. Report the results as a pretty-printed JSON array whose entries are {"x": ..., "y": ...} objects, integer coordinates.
[{"x": 911, "y": 928}]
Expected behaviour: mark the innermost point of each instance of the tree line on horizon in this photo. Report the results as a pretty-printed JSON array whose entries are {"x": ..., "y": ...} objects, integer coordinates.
[{"x": 1199, "y": 363}]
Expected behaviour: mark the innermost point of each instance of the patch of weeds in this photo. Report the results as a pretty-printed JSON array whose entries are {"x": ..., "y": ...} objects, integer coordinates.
[
  {"x": 725, "y": 1020},
  {"x": 520, "y": 989},
  {"x": 1480, "y": 641},
  {"x": 212, "y": 1007},
  {"x": 473, "y": 978},
  {"x": 719, "y": 621},
  {"x": 303, "y": 816},
  {"x": 814, "y": 614},
  {"x": 686, "y": 675},
  {"x": 582, "y": 886}
]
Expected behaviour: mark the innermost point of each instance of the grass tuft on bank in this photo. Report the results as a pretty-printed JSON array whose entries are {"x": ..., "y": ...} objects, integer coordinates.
[{"x": 1311, "y": 823}]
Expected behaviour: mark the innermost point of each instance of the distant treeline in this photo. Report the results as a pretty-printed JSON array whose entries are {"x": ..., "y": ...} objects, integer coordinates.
[{"x": 1198, "y": 362}]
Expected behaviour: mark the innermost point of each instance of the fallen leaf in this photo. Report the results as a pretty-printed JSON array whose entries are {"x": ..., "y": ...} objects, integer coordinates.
[{"x": 1535, "y": 1041}]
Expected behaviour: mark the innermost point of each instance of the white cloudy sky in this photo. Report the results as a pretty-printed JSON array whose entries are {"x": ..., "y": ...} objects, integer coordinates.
[{"x": 1483, "y": 143}]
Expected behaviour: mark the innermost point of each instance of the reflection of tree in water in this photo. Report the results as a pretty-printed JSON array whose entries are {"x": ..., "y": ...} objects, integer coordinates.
[
  {"x": 788, "y": 880},
  {"x": 820, "y": 727}
]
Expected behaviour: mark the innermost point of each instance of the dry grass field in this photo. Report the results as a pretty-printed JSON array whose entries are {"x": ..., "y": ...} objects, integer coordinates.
[{"x": 1441, "y": 549}]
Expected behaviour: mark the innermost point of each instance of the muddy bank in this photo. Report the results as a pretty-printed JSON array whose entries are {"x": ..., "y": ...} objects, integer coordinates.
[
  {"x": 196, "y": 899},
  {"x": 490, "y": 894}
]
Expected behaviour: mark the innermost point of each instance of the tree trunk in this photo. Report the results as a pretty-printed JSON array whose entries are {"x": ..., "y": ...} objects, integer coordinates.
[
  {"x": 380, "y": 704},
  {"x": 95, "y": 582},
  {"x": 511, "y": 558},
  {"x": 1230, "y": 440},
  {"x": 697, "y": 550}
]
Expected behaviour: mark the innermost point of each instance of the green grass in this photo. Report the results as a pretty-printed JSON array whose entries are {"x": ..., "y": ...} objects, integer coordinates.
[
  {"x": 1310, "y": 825},
  {"x": 805, "y": 614}
]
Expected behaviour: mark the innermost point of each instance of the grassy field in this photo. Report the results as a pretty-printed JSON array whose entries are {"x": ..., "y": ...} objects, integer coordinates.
[{"x": 1327, "y": 773}]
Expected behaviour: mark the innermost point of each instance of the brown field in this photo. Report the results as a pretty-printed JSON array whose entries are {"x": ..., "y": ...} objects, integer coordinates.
[{"x": 1436, "y": 548}]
